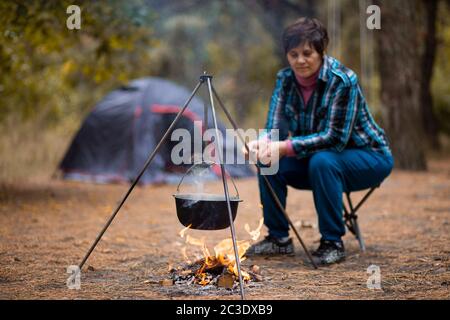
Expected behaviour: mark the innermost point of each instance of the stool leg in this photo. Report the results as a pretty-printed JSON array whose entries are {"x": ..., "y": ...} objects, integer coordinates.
[
  {"x": 354, "y": 223},
  {"x": 347, "y": 220},
  {"x": 353, "y": 218},
  {"x": 358, "y": 234}
]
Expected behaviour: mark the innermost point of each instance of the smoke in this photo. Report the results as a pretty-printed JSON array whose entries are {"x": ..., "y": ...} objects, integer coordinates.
[{"x": 197, "y": 177}]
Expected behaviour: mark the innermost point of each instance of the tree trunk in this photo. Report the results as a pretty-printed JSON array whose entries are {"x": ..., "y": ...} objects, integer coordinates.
[
  {"x": 400, "y": 82},
  {"x": 426, "y": 100}
]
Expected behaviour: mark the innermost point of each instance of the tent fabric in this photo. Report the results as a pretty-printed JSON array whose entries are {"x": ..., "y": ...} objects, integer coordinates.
[{"x": 121, "y": 131}]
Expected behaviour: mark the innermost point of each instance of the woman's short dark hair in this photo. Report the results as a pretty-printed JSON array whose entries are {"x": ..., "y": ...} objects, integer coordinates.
[{"x": 305, "y": 30}]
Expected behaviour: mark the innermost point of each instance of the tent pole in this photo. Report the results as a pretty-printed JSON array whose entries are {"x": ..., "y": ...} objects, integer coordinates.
[{"x": 147, "y": 163}]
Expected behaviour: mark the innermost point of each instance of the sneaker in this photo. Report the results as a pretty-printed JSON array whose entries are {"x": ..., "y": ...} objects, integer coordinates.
[
  {"x": 271, "y": 246},
  {"x": 329, "y": 252}
]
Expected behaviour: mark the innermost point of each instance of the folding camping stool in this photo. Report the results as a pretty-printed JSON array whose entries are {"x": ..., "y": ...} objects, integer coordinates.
[{"x": 351, "y": 218}]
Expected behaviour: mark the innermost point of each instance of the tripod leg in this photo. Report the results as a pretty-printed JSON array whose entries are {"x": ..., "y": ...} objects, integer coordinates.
[
  {"x": 225, "y": 187},
  {"x": 272, "y": 192},
  {"x": 147, "y": 163}
]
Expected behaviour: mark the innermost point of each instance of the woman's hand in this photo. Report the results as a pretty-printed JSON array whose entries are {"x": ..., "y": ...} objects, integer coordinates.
[
  {"x": 254, "y": 146},
  {"x": 266, "y": 151},
  {"x": 273, "y": 152}
]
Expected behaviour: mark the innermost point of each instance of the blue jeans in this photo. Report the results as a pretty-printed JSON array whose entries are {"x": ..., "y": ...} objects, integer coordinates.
[{"x": 328, "y": 174}]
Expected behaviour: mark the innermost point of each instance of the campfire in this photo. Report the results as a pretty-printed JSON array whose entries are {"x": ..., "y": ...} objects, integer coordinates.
[{"x": 220, "y": 268}]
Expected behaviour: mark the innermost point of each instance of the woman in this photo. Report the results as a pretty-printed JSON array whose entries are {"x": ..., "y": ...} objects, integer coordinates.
[{"x": 328, "y": 141}]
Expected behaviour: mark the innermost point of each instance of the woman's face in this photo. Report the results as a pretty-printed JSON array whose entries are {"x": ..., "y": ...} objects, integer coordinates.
[{"x": 304, "y": 60}]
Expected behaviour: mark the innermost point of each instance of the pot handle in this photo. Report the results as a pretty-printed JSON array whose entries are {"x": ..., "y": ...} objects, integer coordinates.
[{"x": 208, "y": 164}]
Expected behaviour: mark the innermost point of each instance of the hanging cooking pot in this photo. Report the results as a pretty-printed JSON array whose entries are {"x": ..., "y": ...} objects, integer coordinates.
[{"x": 205, "y": 211}]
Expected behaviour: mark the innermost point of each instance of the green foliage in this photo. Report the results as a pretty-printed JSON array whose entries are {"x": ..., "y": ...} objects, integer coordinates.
[{"x": 50, "y": 72}]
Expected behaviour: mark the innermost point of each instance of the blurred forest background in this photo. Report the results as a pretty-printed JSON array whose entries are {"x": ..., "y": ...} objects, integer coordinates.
[{"x": 51, "y": 77}]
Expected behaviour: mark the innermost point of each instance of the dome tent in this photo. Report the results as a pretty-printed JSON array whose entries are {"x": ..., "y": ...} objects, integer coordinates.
[{"x": 122, "y": 130}]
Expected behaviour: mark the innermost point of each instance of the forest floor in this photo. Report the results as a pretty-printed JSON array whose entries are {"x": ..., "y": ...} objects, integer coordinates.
[{"x": 47, "y": 225}]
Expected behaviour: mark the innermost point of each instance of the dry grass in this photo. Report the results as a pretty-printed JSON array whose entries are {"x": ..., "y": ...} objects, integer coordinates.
[{"x": 31, "y": 150}]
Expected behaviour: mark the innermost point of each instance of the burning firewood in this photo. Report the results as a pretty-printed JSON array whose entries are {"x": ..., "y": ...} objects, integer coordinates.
[
  {"x": 212, "y": 271},
  {"x": 226, "y": 280}
]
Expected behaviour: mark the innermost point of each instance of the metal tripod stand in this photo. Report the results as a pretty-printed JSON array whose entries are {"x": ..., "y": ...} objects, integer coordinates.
[{"x": 205, "y": 78}]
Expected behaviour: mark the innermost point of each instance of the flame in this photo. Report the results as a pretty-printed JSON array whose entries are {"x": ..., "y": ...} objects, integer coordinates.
[
  {"x": 199, "y": 243},
  {"x": 203, "y": 281},
  {"x": 195, "y": 241},
  {"x": 223, "y": 255},
  {"x": 182, "y": 232},
  {"x": 186, "y": 258},
  {"x": 225, "y": 248},
  {"x": 255, "y": 233}
]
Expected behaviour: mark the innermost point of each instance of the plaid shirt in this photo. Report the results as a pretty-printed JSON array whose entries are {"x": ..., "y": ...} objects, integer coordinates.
[{"x": 336, "y": 116}]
